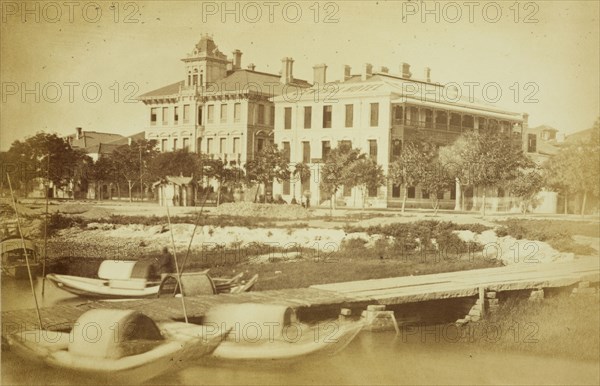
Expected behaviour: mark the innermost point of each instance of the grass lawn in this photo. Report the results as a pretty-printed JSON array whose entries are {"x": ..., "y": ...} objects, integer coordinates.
[{"x": 561, "y": 325}]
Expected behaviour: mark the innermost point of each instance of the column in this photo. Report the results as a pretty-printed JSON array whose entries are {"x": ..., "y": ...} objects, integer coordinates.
[{"x": 457, "y": 199}]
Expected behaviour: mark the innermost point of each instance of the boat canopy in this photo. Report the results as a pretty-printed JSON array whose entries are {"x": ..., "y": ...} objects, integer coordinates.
[
  {"x": 193, "y": 284},
  {"x": 113, "y": 334},
  {"x": 262, "y": 315},
  {"x": 115, "y": 269},
  {"x": 125, "y": 270},
  {"x": 14, "y": 244}
]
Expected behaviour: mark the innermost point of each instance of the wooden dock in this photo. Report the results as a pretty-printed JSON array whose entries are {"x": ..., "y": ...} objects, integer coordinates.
[{"x": 327, "y": 299}]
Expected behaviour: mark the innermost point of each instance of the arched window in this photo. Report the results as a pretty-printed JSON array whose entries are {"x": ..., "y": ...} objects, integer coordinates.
[{"x": 195, "y": 77}]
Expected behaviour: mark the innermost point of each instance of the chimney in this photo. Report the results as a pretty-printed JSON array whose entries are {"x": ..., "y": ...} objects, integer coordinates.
[
  {"x": 347, "y": 70},
  {"x": 319, "y": 74},
  {"x": 79, "y": 132},
  {"x": 428, "y": 74},
  {"x": 237, "y": 59},
  {"x": 384, "y": 69},
  {"x": 251, "y": 67},
  {"x": 230, "y": 65},
  {"x": 405, "y": 70},
  {"x": 287, "y": 70},
  {"x": 367, "y": 71}
]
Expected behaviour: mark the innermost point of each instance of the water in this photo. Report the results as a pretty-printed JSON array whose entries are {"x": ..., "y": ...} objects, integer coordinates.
[{"x": 372, "y": 358}]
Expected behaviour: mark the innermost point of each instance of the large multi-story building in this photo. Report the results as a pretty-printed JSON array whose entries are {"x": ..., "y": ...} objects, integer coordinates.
[
  {"x": 218, "y": 108},
  {"x": 377, "y": 112}
]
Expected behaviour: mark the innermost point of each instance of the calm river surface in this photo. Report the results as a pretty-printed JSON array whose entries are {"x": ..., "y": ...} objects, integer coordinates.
[{"x": 372, "y": 358}]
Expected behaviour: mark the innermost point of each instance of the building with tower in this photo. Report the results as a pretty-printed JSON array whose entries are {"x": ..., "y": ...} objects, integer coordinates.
[{"x": 219, "y": 108}]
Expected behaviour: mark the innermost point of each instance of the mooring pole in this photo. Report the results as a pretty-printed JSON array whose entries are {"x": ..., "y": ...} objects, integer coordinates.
[
  {"x": 193, "y": 233},
  {"x": 37, "y": 308},
  {"x": 177, "y": 265},
  {"x": 46, "y": 228}
]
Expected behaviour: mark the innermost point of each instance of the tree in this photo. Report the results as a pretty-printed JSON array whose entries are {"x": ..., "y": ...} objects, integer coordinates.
[
  {"x": 103, "y": 171},
  {"x": 409, "y": 169},
  {"x": 454, "y": 165},
  {"x": 525, "y": 186},
  {"x": 576, "y": 168},
  {"x": 336, "y": 171},
  {"x": 47, "y": 156},
  {"x": 226, "y": 176},
  {"x": 435, "y": 181},
  {"x": 490, "y": 159},
  {"x": 179, "y": 162},
  {"x": 555, "y": 172},
  {"x": 132, "y": 161},
  {"x": 302, "y": 172},
  {"x": 268, "y": 165},
  {"x": 367, "y": 175}
]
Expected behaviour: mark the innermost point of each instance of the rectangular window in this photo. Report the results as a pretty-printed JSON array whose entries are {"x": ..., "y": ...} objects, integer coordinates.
[
  {"x": 325, "y": 149},
  {"x": 237, "y": 112},
  {"x": 398, "y": 114},
  {"x": 222, "y": 144},
  {"x": 373, "y": 149},
  {"x": 236, "y": 145},
  {"x": 307, "y": 117},
  {"x": 396, "y": 149},
  {"x": 260, "y": 144},
  {"x": 424, "y": 194},
  {"x": 306, "y": 152},
  {"x": 165, "y": 115},
  {"x": 223, "y": 113},
  {"x": 349, "y": 115},
  {"x": 373, "y": 191},
  {"x": 186, "y": 143},
  {"x": 176, "y": 115},
  {"x": 200, "y": 115},
  {"x": 186, "y": 113},
  {"x": 327, "y": 110},
  {"x": 251, "y": 114},
  {"x": 440, "y": 195},
  {"x": 153, "y": 117},
  {"x": 453, "y": 194},
  {"x": 261, "y": 114},
  {"x": 210, "y": 112},
  {"x": 374, "y": 114},
  {"x": 411, "y": 192},
  {"x": 286, "y": 187},
  {"x": 286, "y": 151},
  {"x": 287, "y": 118},
  {"x": 163, "y": 145},
  {"x": 395, "y": 191},
  {"x": 209, "y": 145},
  {"x": 531, "y": 143},
  {"x": 272, "y": 114},
  {"x": 174, "y": 144}
]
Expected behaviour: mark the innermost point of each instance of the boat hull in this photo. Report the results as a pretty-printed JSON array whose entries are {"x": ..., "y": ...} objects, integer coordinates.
[
  {"x": 99, "y": 288},
  {"x": 184, "y": 344},
  {"x": 302, "y": 340}
]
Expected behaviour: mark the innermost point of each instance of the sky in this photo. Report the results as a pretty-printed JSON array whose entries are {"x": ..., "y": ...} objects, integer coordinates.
[{"x": 82, "y": 64}]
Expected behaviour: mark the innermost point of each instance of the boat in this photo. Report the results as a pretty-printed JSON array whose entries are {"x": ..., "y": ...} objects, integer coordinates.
[
  {"x": 14, "y": 263},
  {"x": 137, "y": 279},
  {"x": 122, "y": 346},
  {"x": 260, "y": 332}
]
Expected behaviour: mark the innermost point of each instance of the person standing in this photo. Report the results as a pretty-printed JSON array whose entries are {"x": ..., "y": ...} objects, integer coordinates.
[{"x": 166, "y": 263}]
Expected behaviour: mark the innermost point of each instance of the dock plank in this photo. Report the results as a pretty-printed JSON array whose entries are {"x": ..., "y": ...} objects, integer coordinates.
[{"x": 388, "y": 291}]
